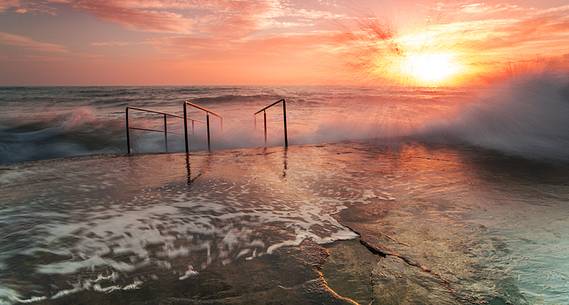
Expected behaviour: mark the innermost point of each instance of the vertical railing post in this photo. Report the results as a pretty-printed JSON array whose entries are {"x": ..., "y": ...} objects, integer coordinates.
[
  {"x": 265, "y": 125},
  {"x": 207, "y": 125},
  {"x": 127, "y": 132},
  {"x": 186, "y": 129},
  {"x": 165, "y": 133},
  {"x": 284, "y": 122},
  {"x": 264, "y": 110},
  {"x": 188, "y": 169}
]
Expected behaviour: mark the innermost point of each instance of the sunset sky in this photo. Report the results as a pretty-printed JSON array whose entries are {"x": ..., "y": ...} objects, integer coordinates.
[{"x": 276, "y": 42}]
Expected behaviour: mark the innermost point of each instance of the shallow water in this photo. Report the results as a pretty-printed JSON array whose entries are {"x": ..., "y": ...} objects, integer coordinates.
[{"x": 464, "y": 224}]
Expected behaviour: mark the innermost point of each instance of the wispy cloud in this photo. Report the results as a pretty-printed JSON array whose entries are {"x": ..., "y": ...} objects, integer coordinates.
[
  {"x": 116, "y": 43},
  {"x": 135, "y": 16},
  {"x": 486, "y": 38},
  {"x": 8, "y": 4},
  {"x": 30, "y": 44},
  {"x": 529, "y": 27},
  {"x": 257, "y": 35},
  {"x": 219, "y": 17},
  {"x": 29, "y": 6}
]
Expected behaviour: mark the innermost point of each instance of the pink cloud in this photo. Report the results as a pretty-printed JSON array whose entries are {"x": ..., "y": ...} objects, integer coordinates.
[
  {"x": 228, "y": 18},
  {"x": 134, "y": 17},
  {"x": 27, "y": 6},
  {"x": 30, "y": 44},
  {"x": 8, "y": 4},
  {"x": 256, "y": 37},
  {"x": 279, "y": 45}
]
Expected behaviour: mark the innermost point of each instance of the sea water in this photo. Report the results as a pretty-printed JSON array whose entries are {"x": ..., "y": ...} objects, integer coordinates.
[{"x": 489, "y": 220}]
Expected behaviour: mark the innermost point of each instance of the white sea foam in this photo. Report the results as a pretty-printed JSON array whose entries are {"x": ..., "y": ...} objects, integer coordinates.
[
  {"x": 189, "y": 273},
  {"x": 525, "y": 116},
  {"x": 182, "y": 234}
]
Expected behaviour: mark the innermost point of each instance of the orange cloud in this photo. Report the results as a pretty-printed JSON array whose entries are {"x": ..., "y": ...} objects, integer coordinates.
[
  {"x": 237, "y": 41},
  {"x": 486, "y": 38}
]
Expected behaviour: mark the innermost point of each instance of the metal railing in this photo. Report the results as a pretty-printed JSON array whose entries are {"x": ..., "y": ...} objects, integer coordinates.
[
  {"x": 207, "y": 113},
  {"x": 264, "y": 111},
  {"x": 185, "y": 119},
  {"x": 165, "y": 130}
]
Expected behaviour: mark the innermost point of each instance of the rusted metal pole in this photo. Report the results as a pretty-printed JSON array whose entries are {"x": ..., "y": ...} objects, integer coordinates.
[
  {"x": 284, "y": 122},
  {"x": 186, "y": 129},
  {"x": 208, "y": 137},
  {"x": 265, "y": 125},
  {"x": 127, "y": 133},
  {"x": 188, "y": 169},
  {"x": 165, "y": 133}
]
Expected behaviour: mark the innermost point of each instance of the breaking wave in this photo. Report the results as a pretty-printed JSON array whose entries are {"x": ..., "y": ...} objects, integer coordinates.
[
  {"x": 78, "y": 132},
  {"x": 527, "y": 116}
]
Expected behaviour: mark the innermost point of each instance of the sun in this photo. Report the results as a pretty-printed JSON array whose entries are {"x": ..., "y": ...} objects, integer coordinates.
[{"x": 430, "y": 68}]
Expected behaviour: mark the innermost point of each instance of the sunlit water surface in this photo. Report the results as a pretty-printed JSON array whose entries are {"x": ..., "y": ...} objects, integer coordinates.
[{"x": 491, "y": 227}]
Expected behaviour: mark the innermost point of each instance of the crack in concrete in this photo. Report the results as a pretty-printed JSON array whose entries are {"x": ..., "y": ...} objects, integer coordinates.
[
  {"x": 332, "y": 291},
  {"x": 384, "y": 253}
]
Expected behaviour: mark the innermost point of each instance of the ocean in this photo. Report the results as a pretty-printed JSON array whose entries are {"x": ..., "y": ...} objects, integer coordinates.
[
  {"x": 43, "y": 123},
  {"x": 390, "y": 195}
]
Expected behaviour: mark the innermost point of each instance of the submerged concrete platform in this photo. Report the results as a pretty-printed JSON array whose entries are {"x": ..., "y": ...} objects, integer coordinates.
[{"x": 321, "y": 224}]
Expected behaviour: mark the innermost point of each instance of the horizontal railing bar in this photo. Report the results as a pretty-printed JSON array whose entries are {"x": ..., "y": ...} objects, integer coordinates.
[
  {"x": 164, "y": 113},
  {"x": 155, "y": 111},
  {"x": 267, "y": 107},
  {"x": 203, "y": 109},
  {"x": 145, "y": 129},
  {"x": 264, "y": 111}
]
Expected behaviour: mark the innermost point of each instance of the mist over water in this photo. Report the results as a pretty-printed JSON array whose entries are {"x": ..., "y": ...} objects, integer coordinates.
[
  {"x": 527, "y": 116},
  {"x": 43, "y": 123}
]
